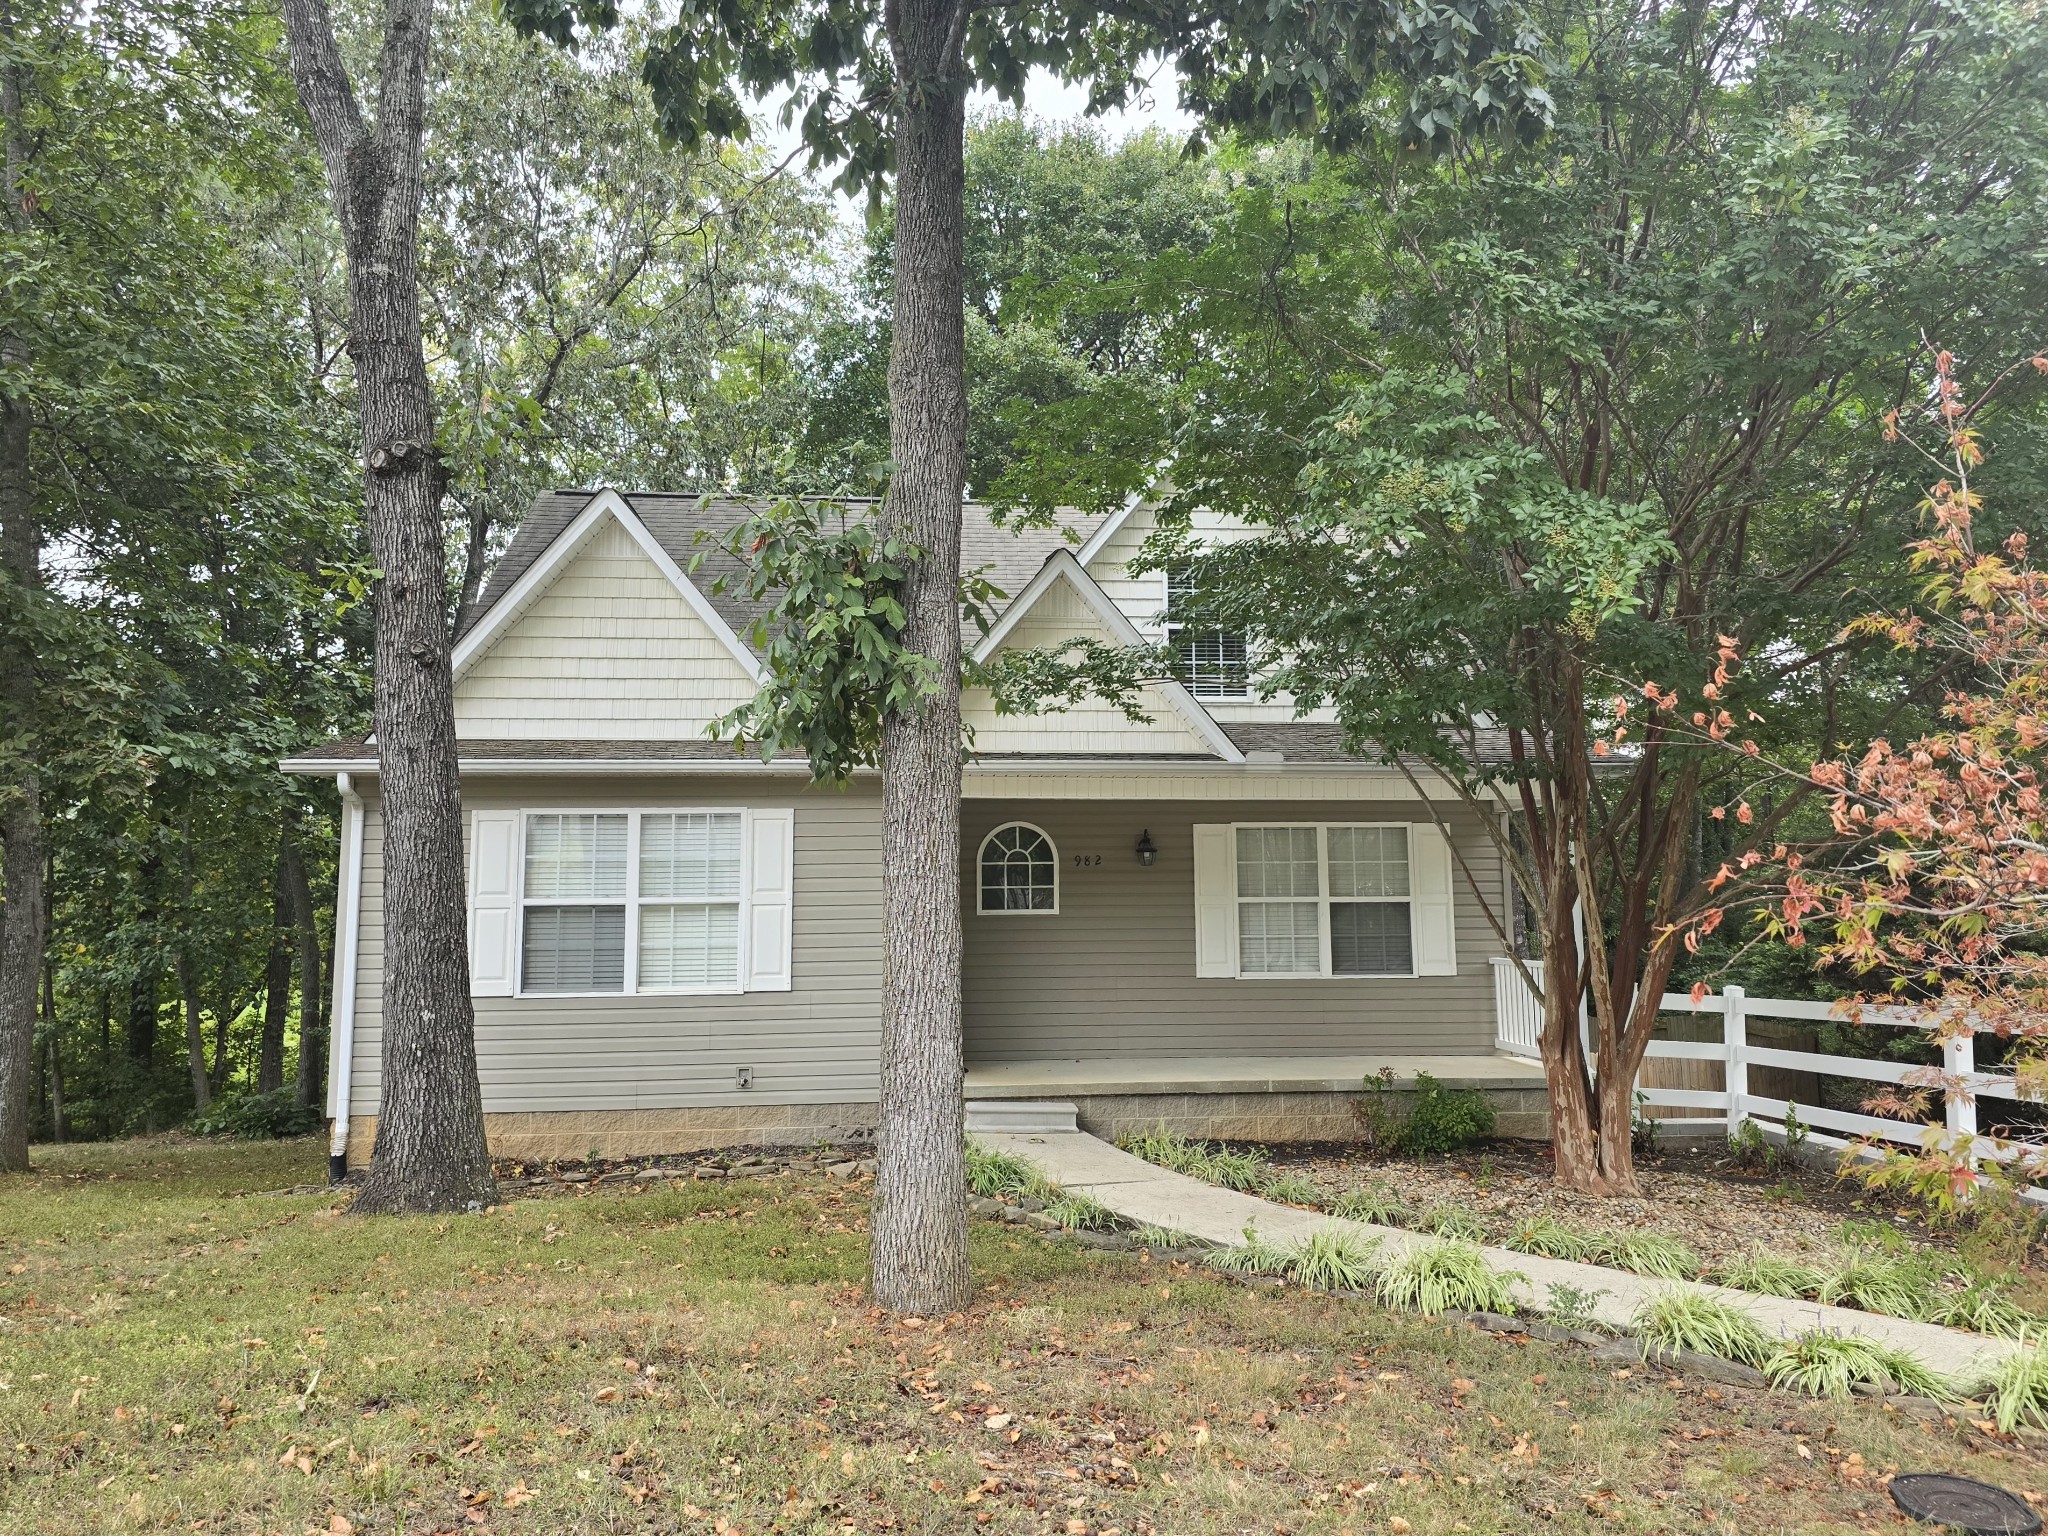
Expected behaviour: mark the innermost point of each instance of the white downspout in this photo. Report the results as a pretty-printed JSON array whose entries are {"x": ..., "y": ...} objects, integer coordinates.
[{"x": 342, "y": 1025}]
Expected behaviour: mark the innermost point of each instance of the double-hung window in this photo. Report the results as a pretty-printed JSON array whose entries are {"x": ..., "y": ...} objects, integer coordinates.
[
  {"x": 1324, "y": 901},
  {"x": 1211, "y": 662},
  {"x": 630, "y": 901}
]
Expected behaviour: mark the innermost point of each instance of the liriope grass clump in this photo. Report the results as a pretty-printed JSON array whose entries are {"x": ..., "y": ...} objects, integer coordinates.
[
  {"x": 2018, "y": 1388},
  {"x": 1982, "y": 1306},
  {"x": 1377, "y": 1205},
  {"x": 1452, "y": 1221},
  {"x": 1331, "y": 1259},
  {"x": 1290, "y": 1188},
  {"x": 994, "y": 1173},
  {"x": 1246, "y": 1171},
  {"x": 1771, "y": 1274},
  {"x": 1165, "y": 1239},
  {"x": 1080, "y": 1213},
  {"x": 1253, "y": 1256},
  {"x": 1168, "y": 1149},
  {"x": 1686, "y": 1317},
  {"x": 1824, "y": 1364},
  {"x": 1872, "y": 1279},
  {"x": 1646, "y": 1253},
  {"x": 1446, "y": 1276},
  {"x": 1552, "y": 1239}
]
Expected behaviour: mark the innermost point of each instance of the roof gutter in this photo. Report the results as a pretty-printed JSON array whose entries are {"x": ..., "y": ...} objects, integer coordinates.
[{"x": 341, "y": 1031}]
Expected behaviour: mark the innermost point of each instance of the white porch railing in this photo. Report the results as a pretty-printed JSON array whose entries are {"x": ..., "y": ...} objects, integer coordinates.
[{"x": 1518, "y": 1028}]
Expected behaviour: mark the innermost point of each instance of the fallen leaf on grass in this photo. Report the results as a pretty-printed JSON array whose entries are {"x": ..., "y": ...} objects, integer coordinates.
[{"x": 518, "y": 1494}]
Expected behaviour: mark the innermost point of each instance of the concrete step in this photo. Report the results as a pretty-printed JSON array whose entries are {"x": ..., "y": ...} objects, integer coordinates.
[{"x": 1020, "y": 1116}]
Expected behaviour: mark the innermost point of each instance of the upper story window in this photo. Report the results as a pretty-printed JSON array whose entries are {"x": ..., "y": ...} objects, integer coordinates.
[
  {"x": 1324, "y": 901},
  {"x": 1019, "y": 870},
  {"x": 630, "y": 901},
  {"x": 1212, "y": 662}
]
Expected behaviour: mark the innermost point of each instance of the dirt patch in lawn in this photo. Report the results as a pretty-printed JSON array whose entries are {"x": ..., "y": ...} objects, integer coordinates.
[{"x": 1695, "y": 1194}]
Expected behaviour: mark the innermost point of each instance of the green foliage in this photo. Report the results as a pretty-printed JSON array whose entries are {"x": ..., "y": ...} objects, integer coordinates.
[
  {"x": 1553, "y": 1239},
  {"x": 1872, "y": 1278},
  {"x": 1240, "y": 1170},
  {"x": 1686, "y": 1317},
  {"x": 1647, "y": 1253},
  {"x": 1436, "y": 1119},
  {"x": 1079, "y": 1212},
  {"x": 1376, "y": 1204},
  {"x": 1982, "y": 1306},
  {"x": 1168, "y": 1149},
  {"x": 1290, "y": 1188},
  {"x": 1570, "y": 1306},
  {"x": 1452, "y": 1221},
  {"x": 1253, "y": 1256},
  {"x": 257, "y": 1117},
  {"x": 1446, "y": 1276},
  {"x": 994, "y": 1173},
  {"x": 1165, "y": 1239},
  {"x": 1771, "y": 1274},
  {"x": 1832, "y": 1364},
  {"x": 2019, "y": 1387},
  {"x": 1330, "y": 1259}
]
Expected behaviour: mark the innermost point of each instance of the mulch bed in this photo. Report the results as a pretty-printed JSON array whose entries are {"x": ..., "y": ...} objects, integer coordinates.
[{"x": 1692, "y": 1193}]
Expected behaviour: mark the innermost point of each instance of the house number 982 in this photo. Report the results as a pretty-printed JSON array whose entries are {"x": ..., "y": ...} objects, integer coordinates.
[{"x": 1087, "y": 860}]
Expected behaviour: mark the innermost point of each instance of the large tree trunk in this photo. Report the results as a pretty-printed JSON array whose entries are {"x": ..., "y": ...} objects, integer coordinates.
[
  {"x": 312, "y": 1016},
  {"x": 21, "y": 817},
  {"x": 277, "y": 984},
  {"x": 195, "y": 1033},
  {"x": 430, "y": 1152},
  {"x": 919, "y": 1223}
]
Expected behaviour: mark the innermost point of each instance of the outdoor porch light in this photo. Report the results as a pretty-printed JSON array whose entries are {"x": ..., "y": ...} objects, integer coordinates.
[{"x": 1146, "y": 852}]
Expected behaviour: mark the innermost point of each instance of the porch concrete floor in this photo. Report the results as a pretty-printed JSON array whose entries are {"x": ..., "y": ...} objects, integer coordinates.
[{"x": 1240, "y": 1074}]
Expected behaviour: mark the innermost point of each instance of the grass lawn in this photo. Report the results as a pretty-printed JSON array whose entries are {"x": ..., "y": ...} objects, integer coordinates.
[{"x": 181, "y": 1351}]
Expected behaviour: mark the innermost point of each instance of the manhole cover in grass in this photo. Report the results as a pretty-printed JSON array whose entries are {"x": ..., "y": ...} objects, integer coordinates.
[{"x": 1963, "y": 1505}]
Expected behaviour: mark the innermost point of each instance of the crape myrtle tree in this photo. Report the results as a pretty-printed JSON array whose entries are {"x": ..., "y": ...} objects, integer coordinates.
[
  {"x": 1520, "y": 424},
  {"x": 880, "y": 90},
  {"x": 430, "y": 1151}
]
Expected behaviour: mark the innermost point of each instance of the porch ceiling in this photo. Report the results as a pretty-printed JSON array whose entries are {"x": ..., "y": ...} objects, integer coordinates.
[{"x": 1240, "y": 1074}]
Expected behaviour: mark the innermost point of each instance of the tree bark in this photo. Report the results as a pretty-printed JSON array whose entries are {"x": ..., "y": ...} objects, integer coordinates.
[
  {"x": 277, "y": 983},
  {"x": 195, "y": 1033},
  {"x": 312, "y": 1016},
  {"x": 919, "y": 1221},
  {"x": 21, "y": 820},
  {"x": 430, "y": 1152}
]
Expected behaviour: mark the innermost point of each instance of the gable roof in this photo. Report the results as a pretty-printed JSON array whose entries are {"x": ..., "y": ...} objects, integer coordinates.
[{"x": 672, "y": 521}]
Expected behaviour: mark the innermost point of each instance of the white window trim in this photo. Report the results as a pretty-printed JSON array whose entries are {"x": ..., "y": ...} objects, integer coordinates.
[
  {"x": 1323, "y": 899},
  {"x": 631, "y": 901},
  {"x": 1051, "y": 842},
  {"x": 1170, "y": 635}
]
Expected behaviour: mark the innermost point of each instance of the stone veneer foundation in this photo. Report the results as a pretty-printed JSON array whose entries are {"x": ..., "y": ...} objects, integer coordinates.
[{"x": 557, "y": 1134}]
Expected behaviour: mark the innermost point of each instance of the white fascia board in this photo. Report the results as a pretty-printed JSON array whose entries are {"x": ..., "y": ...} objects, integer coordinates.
[
  {"x": 1062, "y": 565},
  {"x": 1098, "y": 541},
  {"x": 567, "y": 766},
  {"x": 566, "y": 546}
]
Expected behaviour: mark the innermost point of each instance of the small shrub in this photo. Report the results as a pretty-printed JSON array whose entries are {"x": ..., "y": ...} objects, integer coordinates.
[
  {"x": 1686, "y": 1317},
  {"x": 1081, "y": 1213},
  {"x": 994, "y": 1173},
  {"x": 1831, "y": 1364},
  {"x": 1290, "y": 1188},
  {"x": 1748, "y": 1149},
  {"x": 1553, "y": 1240},
  {"x": 1379, "y": 1121},
  {"x": 2019, "y": 1387},
  {"x": 1771, "y": 1274},
  {"x": 1568, "y": 1306},
  {"x": 258, "y": 1117},
  {"x": 1648, "y": 1253},
  {"x": 1446, "y": 1276},
  {"x": 1331, "y": 1259},
  {"x": 1452, "y": 1221},
  {"x": 1444, "y": 1119},
  {"x": 1377, "y": 1204},
  {"x": 1253, "y": 1256}
]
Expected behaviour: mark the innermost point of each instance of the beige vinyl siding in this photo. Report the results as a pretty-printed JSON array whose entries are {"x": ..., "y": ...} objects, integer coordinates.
[
  {"x": 1142, "y": 598},
  {"x": 816, "y": 1043},
  {"x": 1112, "y": 974},
  {"x": 610, "y": 650},
  {"x": 1093, "y": 725}
]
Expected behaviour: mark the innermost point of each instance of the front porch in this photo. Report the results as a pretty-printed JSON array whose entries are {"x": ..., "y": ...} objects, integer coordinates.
[{"x": 1252, "y": 1098}]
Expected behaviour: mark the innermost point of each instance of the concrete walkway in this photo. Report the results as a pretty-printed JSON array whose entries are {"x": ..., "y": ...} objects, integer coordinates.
[{"x": 1145, "y": 1193}]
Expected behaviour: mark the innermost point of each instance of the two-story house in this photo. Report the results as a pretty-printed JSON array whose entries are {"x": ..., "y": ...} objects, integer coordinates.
[{"x": 1218, "y": 919}]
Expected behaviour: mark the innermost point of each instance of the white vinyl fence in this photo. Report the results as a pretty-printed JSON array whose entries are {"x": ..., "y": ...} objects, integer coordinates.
[{"x": 1519, "y": 1027}]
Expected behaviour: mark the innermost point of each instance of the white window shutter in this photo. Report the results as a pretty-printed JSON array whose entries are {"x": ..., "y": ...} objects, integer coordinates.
[
  {"x": 1430, "y": 884},
  {"x": 1215, "y": 902},
  {"x": 771, "y": 839},
  {"x": 493, "y": 865}
]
